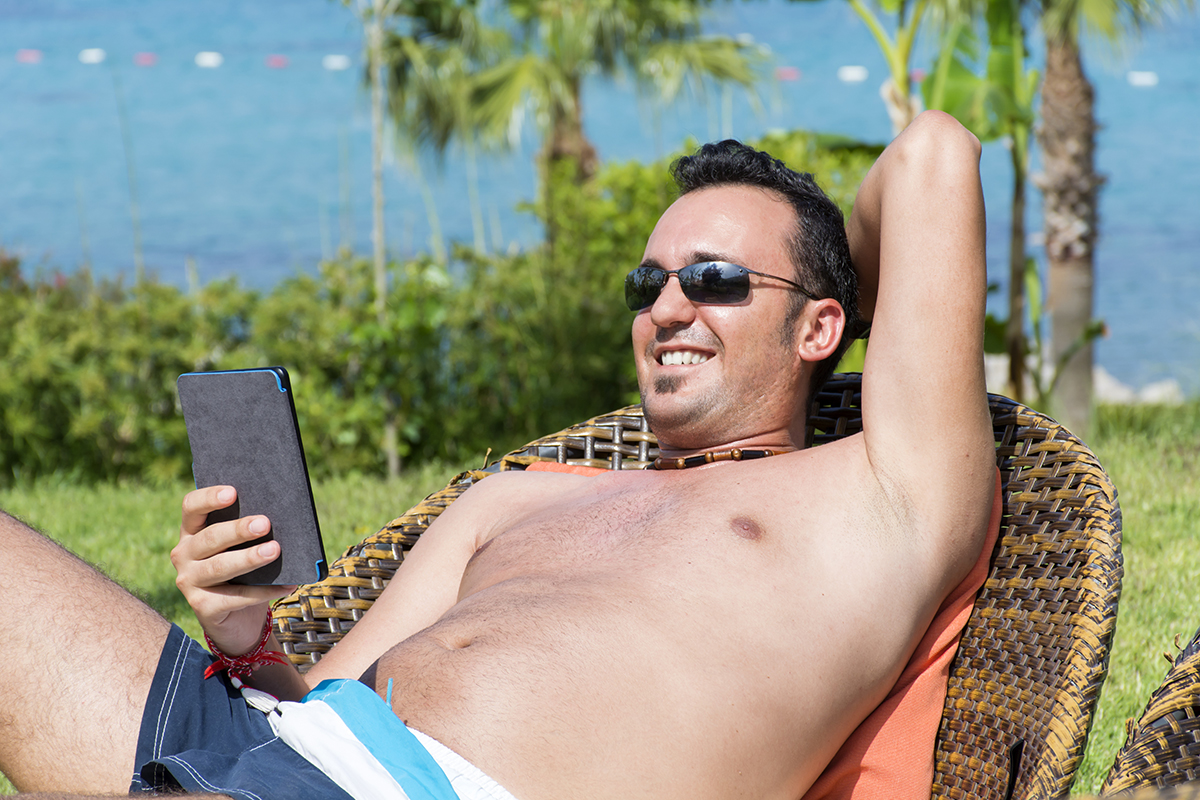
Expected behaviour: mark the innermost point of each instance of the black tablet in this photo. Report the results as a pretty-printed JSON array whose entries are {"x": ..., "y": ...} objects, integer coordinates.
[{"x": 242, "y": 428}]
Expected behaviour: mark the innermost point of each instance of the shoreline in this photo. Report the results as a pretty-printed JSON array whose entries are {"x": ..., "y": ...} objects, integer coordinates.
[{"x": 1105, "y": 387}]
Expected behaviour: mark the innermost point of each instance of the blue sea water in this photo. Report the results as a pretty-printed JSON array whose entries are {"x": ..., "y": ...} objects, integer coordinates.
[{"x": 260, "y": 167}]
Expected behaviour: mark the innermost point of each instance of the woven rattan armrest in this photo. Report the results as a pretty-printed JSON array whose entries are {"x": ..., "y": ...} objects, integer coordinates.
[{"x": 1162, "y": 749}]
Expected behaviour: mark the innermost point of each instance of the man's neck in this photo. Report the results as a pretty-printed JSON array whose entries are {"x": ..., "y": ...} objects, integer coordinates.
[{"x": 778, "y": 441}]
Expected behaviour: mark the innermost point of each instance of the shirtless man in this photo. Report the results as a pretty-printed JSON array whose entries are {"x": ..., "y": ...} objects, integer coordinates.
[{"x": 712, "y": 632}]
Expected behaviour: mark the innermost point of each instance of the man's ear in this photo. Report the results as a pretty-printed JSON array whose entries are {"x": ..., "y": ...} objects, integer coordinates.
[{"x": 822, "y": 324}]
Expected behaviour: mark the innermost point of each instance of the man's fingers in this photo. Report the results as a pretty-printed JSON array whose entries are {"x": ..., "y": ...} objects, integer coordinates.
[
  {"x": 221, "y": 536},
  {"x": 199, "y": 503},
  {"x": 213, "y": 557}
]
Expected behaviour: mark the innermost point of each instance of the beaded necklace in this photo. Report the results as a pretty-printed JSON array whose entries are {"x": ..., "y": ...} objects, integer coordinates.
[{"x": 736, "y": 454}]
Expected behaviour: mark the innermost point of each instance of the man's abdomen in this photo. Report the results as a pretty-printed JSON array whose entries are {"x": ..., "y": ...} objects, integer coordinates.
[{"x": 560, "y": 690}]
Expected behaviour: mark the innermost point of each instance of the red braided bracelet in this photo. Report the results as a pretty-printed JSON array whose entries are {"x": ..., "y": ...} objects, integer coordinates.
[{"x": 241, "y": 666}]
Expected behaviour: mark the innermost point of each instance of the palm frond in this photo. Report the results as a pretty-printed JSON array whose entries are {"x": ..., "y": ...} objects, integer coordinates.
[
  {"x": 502, "y": 95},
  {"x": 669, "y": 67}
]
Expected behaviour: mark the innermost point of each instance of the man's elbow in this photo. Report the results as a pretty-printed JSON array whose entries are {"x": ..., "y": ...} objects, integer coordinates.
[{"x": 936, "y": 139}]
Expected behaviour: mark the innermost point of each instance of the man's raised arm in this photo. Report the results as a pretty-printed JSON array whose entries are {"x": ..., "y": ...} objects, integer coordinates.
[{"x": 917, "y": 241}]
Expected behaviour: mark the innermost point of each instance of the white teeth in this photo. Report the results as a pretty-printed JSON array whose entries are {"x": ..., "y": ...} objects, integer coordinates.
[{"x": 674, "y": 358}]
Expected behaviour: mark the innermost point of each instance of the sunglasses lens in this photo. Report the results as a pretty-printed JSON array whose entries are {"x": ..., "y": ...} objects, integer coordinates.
[
  {"x": 715, "y": 282},
  {"x": 642, "y": 287}
]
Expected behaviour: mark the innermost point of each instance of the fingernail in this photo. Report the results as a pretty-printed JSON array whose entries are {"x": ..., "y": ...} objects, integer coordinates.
[
  {"x": 267, "y": 550},
  {"x": 226, "y": 495},
  {"x": 258, "y": 525}
]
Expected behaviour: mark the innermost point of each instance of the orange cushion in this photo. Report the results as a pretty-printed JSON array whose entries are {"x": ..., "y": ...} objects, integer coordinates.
[
  {"x": 890, "y": 755},
  {"x": 574, "y": 469}
]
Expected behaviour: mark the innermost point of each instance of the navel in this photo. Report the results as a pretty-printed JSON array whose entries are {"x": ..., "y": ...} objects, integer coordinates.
[
  {"x": 746, "y": 528},
  {"x": 456, "y": 641}
]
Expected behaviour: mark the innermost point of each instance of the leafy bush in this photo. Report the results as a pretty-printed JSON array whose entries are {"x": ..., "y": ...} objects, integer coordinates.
[
  {"x": 87, "y": 386},
  {"x": 352, "y": 371}
]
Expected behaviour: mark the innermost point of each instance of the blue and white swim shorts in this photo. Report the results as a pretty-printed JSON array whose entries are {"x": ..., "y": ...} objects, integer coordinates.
[{"x": 341, "y": 742}]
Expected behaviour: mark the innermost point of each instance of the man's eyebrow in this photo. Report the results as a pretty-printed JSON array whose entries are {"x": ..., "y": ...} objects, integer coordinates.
[
  {"x": 701, "y": 257},
  {"x": 697, "y": 257}
]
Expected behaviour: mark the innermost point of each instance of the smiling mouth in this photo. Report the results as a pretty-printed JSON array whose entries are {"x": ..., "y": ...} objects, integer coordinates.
[{"x": 675, "y": 358}]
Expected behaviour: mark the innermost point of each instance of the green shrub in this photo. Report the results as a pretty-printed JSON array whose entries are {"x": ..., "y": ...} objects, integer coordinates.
[
  {"x": 87, "y": 385},
  {"x": 350, "y": 370}
]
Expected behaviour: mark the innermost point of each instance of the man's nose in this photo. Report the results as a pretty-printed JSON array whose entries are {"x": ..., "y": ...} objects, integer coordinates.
[{"x": 672, "y": 308}]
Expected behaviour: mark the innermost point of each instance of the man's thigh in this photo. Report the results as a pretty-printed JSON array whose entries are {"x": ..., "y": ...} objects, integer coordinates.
[{"x": 78, "y": 657}]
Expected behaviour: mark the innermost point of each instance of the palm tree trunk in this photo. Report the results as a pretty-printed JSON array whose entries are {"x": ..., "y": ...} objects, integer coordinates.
[
  {"x": 568, "y": 142},
  {"x": 378, "y": 245},
  {"x": 568, "y": 154},
  {"x": 139, "y": 266},
  {"x": 391, "y": 450},
  {"x": 1015, "y": 331},
  {"x": 1070, "y": 187},
  {"x": 473, "y": 193},
  {"x": 437, "y": 242}
]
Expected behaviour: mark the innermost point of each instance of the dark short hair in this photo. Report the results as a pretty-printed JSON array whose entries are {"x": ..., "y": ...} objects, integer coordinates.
[{"x": 818, "y": 247}]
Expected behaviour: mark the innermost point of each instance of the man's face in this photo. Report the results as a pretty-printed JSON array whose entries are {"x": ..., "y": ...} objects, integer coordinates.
[{"x": 719, "y": 374}]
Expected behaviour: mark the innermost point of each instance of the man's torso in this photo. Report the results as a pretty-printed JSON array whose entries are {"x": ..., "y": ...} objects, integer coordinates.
[{"x": 716, "y": 632}]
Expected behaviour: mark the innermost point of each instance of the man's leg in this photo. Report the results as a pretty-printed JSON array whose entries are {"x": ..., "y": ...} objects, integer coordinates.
[{"x": 77, "y": 657}]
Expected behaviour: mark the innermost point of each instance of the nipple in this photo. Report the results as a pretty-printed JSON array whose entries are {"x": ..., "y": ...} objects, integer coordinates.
[{"x": 746, "y": 528}]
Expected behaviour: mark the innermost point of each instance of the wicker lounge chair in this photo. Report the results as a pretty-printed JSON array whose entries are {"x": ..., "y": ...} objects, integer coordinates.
[
  {"x": 1027, "y": 675},
  {"x": 1162, "y": 749}
]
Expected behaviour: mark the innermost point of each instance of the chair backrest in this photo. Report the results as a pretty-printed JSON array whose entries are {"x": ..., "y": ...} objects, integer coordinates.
[
  {"x": 1162, "y": 749},
  {"x": 1027, "y": 675}
]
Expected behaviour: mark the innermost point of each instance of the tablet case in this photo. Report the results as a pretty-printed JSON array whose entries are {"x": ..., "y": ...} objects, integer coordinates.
[{"x": 242, "y": 429}]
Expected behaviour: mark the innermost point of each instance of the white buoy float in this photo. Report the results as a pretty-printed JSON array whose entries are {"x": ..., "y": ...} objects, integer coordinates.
[
  {"x": 209, "y": 59},
  {"x": 92, "y": 55},
  {"x": 335, "y": 62},
  {"x": 1142, "y": 78},
  {"x": 852, "y": 74}
]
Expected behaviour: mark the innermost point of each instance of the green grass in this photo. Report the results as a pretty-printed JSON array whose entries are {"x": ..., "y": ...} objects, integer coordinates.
[
  {"x": 1153, "y": 457},
  {"x": 1152, "y": 454}
]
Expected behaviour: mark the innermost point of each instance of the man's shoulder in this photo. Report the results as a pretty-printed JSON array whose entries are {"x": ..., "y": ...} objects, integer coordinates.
[{"x": 541, "y": 479}]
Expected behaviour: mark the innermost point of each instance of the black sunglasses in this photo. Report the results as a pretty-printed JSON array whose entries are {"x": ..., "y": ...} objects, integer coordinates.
[{"x": 716, "y": 282}]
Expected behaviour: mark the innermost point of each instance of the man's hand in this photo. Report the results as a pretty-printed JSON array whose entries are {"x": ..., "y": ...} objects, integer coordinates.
[{"x": 231, "y": 614}]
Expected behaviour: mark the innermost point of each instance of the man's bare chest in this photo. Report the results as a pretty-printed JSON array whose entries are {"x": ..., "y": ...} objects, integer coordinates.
[{"x": 668, "y": 528}]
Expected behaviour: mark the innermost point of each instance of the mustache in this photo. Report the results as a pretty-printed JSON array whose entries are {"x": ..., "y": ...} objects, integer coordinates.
[{"x": 687, "y": 337}]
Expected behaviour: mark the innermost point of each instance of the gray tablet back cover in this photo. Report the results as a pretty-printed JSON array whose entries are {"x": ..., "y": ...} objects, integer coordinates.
[{"x": 242, "y": 429}]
